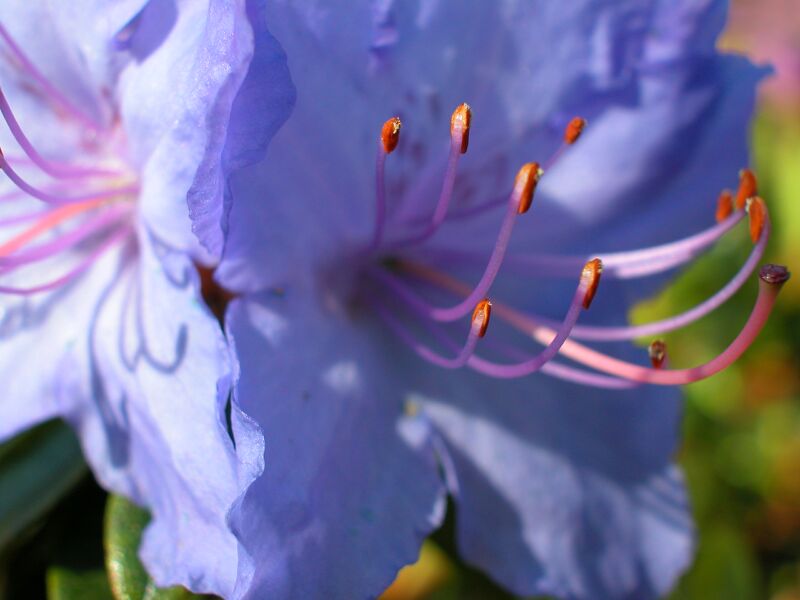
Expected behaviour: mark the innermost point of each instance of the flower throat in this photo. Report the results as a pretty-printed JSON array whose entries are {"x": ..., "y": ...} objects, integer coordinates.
[{"x": 85, "y": 210}]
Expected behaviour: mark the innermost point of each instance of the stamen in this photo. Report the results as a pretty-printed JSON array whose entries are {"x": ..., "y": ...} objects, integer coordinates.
[
  {"x": 628, "y": 332},
  {"x": 49, "y": 220},
  {"x": 518, "y": 196},
  {"x": 460, "y": 122},
  {"x": 22, "y": 217},
  {"x": 51, "y": 168},
  {"x": 588, "y": 279},
  {"x": 748, "y": 187},
  {"x": 771, "y": 279},
  {"x": 122, "y": 234},
  {"x": 71, "y": 239},
  {"x": 55, "y": 199},
  {"x": 567, "y": 373},
  {"x": 591, "y": 274},
  {"x": 390, "y": 137},
  {"x": 520, "y": 369},
  {"x": 551, "y": 368},
  {"x": 543, "y": 329},
  {"x": 657, "y": 351},
  {"x": 724, "y": 205},
  {"x": 476, "y": 332},
  {"x": 525, "y": 182},
  {"x": 572, "y": 132},
  {"x": 758, "y": 214},
  {"x": 390, "y": 134},
  {"x": 574, "y": 129},
  {"x": 481, "y": 316},
  {"x": 26, "y": 64},
  {"x": 617, "y": 265}
]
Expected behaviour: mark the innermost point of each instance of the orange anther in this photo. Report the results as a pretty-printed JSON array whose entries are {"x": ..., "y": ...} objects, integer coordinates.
[
  {"x": 574, "y": 130},
  {"x": 481, "y": 315},
  {"x": 748, "y": 187},
  {"x": 591, "y": 275},
  {"x": 758, "y": 213},
  {"x": 390, "y": 134},
  {"x": 724, "y": 205},
  {"x": 460, "y": 123},
  {"x": 525, "y": 184}
]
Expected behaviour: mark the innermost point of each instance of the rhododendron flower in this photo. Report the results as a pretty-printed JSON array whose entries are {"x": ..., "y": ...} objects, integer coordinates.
[
  {"x": 119, "y": 130},
  {"x": 365, "y": 246}
]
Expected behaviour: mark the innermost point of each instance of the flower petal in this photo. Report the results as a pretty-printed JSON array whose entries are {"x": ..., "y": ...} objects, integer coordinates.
[
  {"x": 165, "y": 376},
  {"x": 262, "y": 104},
  {"x": 95, "y": 27},
  {"x": 66, "y": 41},
  {"x": 57, "y": 49},
  {"x": 566, "y": 491},
  {"x": 44, "y": 342},
  {"x": 176, "y": 107},
  {"x": 345, "y": 499},
  {"x": 131, "y": 357}
]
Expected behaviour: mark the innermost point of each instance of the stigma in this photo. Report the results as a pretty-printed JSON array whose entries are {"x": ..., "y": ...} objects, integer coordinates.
[
  {"x": 76, "y": 210},
  {"x": 412, "y": 287}
]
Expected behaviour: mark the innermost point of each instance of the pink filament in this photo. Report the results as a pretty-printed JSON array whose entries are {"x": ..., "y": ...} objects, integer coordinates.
[
  {"x": 440, "y": 212},
  {"x": 491, "y": 271},
  {"x": 121, "y": 234},
  {"x": 22, "y": 218},
  {"x": 458, "y": 361},
  {"x": 598, "y": 360},
  {"x": 380, "y": 197},
  {"x": 606, "y": 334},
  {"x": 66, "y": 241},
  {"x": 767, "y": 293},
  {"x": 53, "y": 169},
  {"x": 46, "y": 222},
  {"x": 43, "y": 82},
  {"x": 535, "y": 363},
  {"x": 565, "y": 372},
  {"x": 57, "y": 199},
  {"x": 618, "y": 265},
  {"x": 612, "y": 366}
]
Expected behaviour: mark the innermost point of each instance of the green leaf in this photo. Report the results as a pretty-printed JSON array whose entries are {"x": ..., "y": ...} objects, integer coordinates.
[
  {"x": 123, "y": 532},
  {"x": 36, "y": 469},
  {"x": 69, "y": 584}
]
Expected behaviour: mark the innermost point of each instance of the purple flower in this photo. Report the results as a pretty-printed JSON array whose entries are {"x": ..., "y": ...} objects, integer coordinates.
[
  {"x": 122, "y": 121},
  {"x": 353, "y": 272}
]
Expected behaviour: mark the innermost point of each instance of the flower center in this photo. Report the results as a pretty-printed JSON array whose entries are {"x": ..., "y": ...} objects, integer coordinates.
[
  {"x": 85, "y": 206},
  {"x": 416, "y": 295}
]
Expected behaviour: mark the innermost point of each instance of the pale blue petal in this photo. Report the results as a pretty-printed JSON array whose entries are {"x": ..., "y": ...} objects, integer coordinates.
[
  {"x": 345, "y": 499},
  {"x": 176, "y": 106},
  {"x": 564, "y": 491},
  {"x": 163, "y": 380}
]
